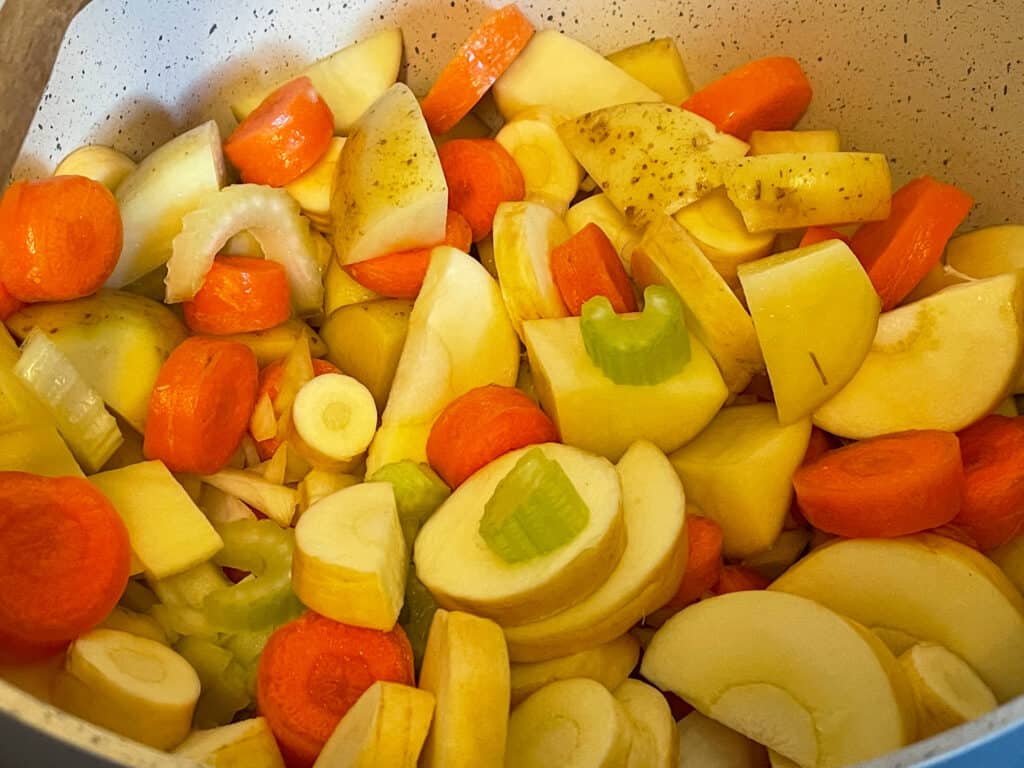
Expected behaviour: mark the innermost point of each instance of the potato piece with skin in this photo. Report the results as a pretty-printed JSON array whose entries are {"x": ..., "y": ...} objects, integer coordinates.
[
  {"x": 650, "y": 159},
  {"x": 739, "y": 471},
  {"x": 390, "y": 192},
  {"x": 814, "y": 687},
  {"x": 968, "y": 601},
  {"x": 609, "y": 664},
  {"x": 103, "y": 164},
  {"x": 386, "y": 727},
  {"x": 645, "y": 578},
  {"x": 913, "y": 375},
  {"x": 655, "y": 740},
  {"x": 706, "y": 743},
  {"x": 461, "y": 570},
  {"x": 988, "y": 251},
  {"x": 786, "y": 191},
  {"x": 947, "y": 691},
  {"x": 572, "y": 723},
  {"x": 793, "y": 142},
  {"x": 658, "y": 65},
  {"x": 554, "y": 70},
  {"x": 466, "y": 668},
  {"x": 667, "y": 255},
  {"x": 245, "y": 744}
]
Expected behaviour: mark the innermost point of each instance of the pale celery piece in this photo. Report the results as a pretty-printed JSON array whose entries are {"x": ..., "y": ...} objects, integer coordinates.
[
  {"x": 89, "y": 429},
  {"x": 272, "y": 217},
  {"x": 418, "y": 493},
  {"x": 535, "y": 510},
  {"x": 223, "y": 680},
  {"x": 642, "y": 349},
  {"x": 180, "y": 610},
  {"x": 265, "y": 550}
]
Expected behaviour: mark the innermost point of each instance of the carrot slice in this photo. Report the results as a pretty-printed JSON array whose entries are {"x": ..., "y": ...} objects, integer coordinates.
[
  {"x": 270, "y": 385},
  {"x": 239, "y": 295},
  {"x": 481, "y": 175},
  {"x": 886, "y": 486},
  {"x": 897, "y": 253},
  {"x": 737, "y": 578},
  {"x": 481, "y": 425},
  {"x": 313, "y": 670},
  {"x": 992, "y": 512},
  {"x": 704, "y": 564},
  {"x": 8, "y": 304},
  {"x": 769, "y": 94},
  {"x": 283, "y": 137},
  {"x": 60, "y": 238},
  {"x": 587, "y": 265},
  {"x": 201, "y": 404},
  {"x": 64, "y": 562},
  {"x": 400, "y": 275},
  {"x": 815, "y": 235},
  {"x": 481, "y": 60}
]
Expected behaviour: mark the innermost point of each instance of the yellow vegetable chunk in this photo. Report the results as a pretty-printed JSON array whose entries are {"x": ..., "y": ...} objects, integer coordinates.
[
  {"x": 793, "y": 142},
  {"x": 168, "y": 532},
  {"x": 706, "y": 743},
  {"x": 139, "y": 624},
  {"x": 946, "y": 690},
  {"x": 103, "y": 164},
  {"x": 466, "y": 667},
  {"x": 815, "y": 312},
  {"x": 274, "y": 343},
  {"x": 39, "y": 450},
  {"x": 385, "y": 727},
  {"x": 609, "y": 664},
  {"x": 245, "y": 744},
  {"x": 658, "y": 65},
  {"x": 988, "y": 251},
  {"x": 787, "y": 549},
  {"x": 312, "y": 190},
  {"x": 655, "y": 741},
  {"x": 342, "y": 290},
  {"x": 739, "y": 473},
  {"x": 787, "y": 673},
  {"x": 550, "y": 172},
  {"x": 791, "y": 190},
  {"x": 461, "y": 571}
]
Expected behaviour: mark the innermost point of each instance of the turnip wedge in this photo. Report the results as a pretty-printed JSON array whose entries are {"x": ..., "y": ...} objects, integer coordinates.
[{"x": 272, "y": 217}]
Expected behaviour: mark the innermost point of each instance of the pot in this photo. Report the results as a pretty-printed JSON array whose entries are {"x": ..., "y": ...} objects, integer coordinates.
[{"x": 935, "y": 86}]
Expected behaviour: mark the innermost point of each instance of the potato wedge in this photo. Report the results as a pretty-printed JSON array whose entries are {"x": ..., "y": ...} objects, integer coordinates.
[{"x": 658, "y": 65}]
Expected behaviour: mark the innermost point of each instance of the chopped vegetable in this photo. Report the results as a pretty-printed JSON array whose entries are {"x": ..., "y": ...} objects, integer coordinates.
[
  {"x": 587, "y": 265},
  {"x": 739, "y": 578},
  {"x": 817, "y": 234},
  {"x": 239, "y": 295},
  {"x": 277, "y": 502},
  {"x": 64, "y": 562},
  {"x": 481, "y": 175},
  {"x": 551, "y": 175},
  {"x": 283, "y": 137},
  {"x": 222, "y": 679},
  {"x": 334, "y": 417},
  {"x": 704, "y": 564},
  {"x": 103, "y": 164},
  {"x": 418, "y": 493},
  {"x": 60, "y": 238},
  {"x": 8, "y": 304},
  {"x": 645, "y": 349}
]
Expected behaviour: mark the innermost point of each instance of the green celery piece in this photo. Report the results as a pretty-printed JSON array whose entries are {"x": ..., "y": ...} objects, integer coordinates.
[
  {"x": 417, "y": 615},
  {"x": 535, "y": 509},
  {"x": 418, "y": 493},
  {"x": 224, "y": 682},
  {"x": 138, "y": 597},
  {"x": 644, "y": 349},
  {"x": 263, "y": 548},
  {"x": 247, "y": 647},
  {"x": 180, "y": 610}
]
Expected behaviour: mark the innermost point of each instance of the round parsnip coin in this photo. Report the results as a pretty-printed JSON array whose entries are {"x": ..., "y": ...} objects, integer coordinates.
[
  {"x": 947, "y": 691},
  {"x": 655, "y": 740},
  {"x": 609, "y": 664},
  {"x": 574, "y": 723}
]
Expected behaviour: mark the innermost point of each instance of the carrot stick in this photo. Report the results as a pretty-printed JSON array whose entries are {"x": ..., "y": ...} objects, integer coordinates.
[
  {"x": 400, "y": 275},
  {"x": 270, "y": 385},
  {"x": 737, "y": 578},
  {"x": 313, "y": 670},
  {"x": 897, "y": 253},
  {"x": 481, "y": 425},
  {"x": 815, "y": 235},
  {"x": 481, "y": 175},
  {"x": 886, "y": 486},
  {"x": 8, "y": 304},
  {"x": 481, "y": 60},
  {"x": 992, "y": 512},
  {"x": 64, "y": 562},
  {"x": 283, "y": 137},
  {"x": 240, "y": 295},
  {"x": 587, "y": 265},
  {"x": 60, "y": 238},
  {"x": 704, "y": 563},
  {"x": 767, "y": 94},
  {"x": 201, "y": 404}
]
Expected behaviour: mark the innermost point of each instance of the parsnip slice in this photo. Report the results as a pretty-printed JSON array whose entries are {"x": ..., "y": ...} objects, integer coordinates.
[
  {"x": 655, "y": 740},
  {"x": 947, "y": 691},
  {"x": 245, "y": 744},
  {"x": 609, "y": 664}
]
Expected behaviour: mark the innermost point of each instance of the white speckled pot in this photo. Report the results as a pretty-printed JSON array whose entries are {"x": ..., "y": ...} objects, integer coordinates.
[{"x": 935, "y": 85}]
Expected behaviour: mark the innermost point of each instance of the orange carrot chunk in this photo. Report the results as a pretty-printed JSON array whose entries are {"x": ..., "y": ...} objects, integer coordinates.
[
  {"x": 60, "y": 238},
  {"x": 704, "y": 564},
  {"x": 64, "y": 562},
  {"x": 283, "y": 137},
  {"x": 400, "y": 275},
  {"x": 992, "y": 512},
  {"x": 481, "y": 60},
  {"x": 270, "y": 385},
  {"x": 314, "y": 669},
  {"x": 737, "y": 578},
  {"x": 587, "y": 265},
  {"x": 898, "y": 252},
  {"x": 481, "y": 175},
  {"x": 239, "y": 295},
  {"x": 886, "y": 486},
  {"x": 201, "y": 404},
  {"x": 769, "y": 94},
  {"x": 481, "y": 425},
  {"x": 815, "y": 235}
]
